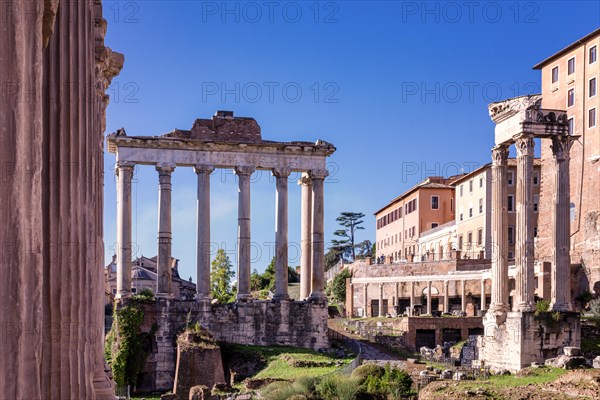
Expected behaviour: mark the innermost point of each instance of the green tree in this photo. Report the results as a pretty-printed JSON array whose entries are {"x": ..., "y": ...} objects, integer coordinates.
[
  {"x": 221, "y": 274},
  {"x": 338, "y": 286},
  {"x": 351, "y": 222},
  {"x": 332, "y": 257}
]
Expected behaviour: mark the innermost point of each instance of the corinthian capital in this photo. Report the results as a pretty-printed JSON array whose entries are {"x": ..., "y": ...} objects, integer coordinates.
[
  {"x": 525, "y": 145},
  {"x": 561, "y": 145},
  {"x": 244, "y": 170},
  {"x": 304, "y": 180},
  {"x": 282, "y": 172},
  {"x": 165, "y": 168},
  {"x": 318, "y": 174},
  {"x": 499, "y": 155}
]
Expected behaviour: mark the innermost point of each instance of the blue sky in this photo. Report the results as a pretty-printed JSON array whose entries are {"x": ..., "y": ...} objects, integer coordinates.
[{"x": 400, "y": 88}]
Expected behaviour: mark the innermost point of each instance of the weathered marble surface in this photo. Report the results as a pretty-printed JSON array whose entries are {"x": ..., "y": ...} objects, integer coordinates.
[{"x": 55, "y": 71}]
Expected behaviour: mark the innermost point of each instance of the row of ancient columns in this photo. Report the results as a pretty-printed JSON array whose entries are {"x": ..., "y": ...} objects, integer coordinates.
[
  {"x": 524, "y": 241},
  {"x": 412, "y": 296},
  {"x": 312, "y": 241}
]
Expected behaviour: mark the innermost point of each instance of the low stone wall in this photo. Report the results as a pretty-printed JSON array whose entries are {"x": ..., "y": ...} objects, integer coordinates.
[
  {"x": 524, "y": 338},
  {"x": 262, "y": 323},
  {"x": 466, "y": 325}
]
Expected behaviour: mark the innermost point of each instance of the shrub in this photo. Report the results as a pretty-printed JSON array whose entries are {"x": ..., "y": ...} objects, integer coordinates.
[
  {"x": 338, "y": 387},
  {"x": 364, "y": 371},
  {"x": 302, "y": 389},
  {"x": 595, "y": 307},
  {"x": 392, "y": 383}
]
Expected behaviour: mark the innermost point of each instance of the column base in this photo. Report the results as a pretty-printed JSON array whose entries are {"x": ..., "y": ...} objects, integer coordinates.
[
  {"x": 524, "y": 307},
  {"x": 496, "y": 316},
  {"x": 317, "y": 297},
  {"x": 243, "y": 297},
  {"x": 123, "y": 295},
  {"x": 561, "y": 307},
  {"x": 281, "y": 297}
]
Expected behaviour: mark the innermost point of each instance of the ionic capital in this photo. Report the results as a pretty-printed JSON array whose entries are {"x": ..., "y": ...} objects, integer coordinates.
[
  {"x": 499, "y": 155},
  {"x": 561, "y": 145},
  {"x": 124, "y": 165},
  {"x": 318, "y": 174},
  {"x": 281, "y": 172},
  {"x": 244, "y": 170},
  {"x": 204, "y": 168},
  {"x": 525, "y": 145},
  {"x": 165, "y": 168},
  {"x": 304, "y": 180}
]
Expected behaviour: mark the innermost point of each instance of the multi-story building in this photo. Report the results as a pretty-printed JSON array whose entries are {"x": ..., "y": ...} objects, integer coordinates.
[
  {"x": 143, "y": 276},
  {"x": 570, "y": 80},
  {"x": 399, "y": 224},
  {"x": 473, "y": 193}
]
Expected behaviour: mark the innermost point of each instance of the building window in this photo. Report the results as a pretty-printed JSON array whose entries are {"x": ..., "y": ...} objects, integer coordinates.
[
  {"x": 554, "y": 74},
  {"x": 460, "y": 189},
  {"x": 510, "y": 206},
  {"x": 535, "y": 231},
  {"x": 435, "y": 202},
  {"x": 536, "y": 178},
  {"x": 481, "y": 181},
  {"x": 593, "y": 54},
  {"x": 480, "y": 206},
  {"x": 114, "y": 291},
  {"x": 592, "y": 87},
  {"x": 434, "y": 225},
  {"x": 460, "y": 242},
  {"x": 511, "y": 233},
  {"x": 461, "y": 217},
  {"x": 571, "y": 126},
  {"x": 133, "y": 290},
  {"x": 570, "y": 97},
  {"x": 469, "y": 239},
  {"x": 510, "y": 178},
  {"x": 451, "y": 205},
  {"x": 592, "y": 118},
  {"x": 471, "y": 185},
  {"x": 536, "y": 202},
  {"x": 479, "y": 236},
  {"x": 413, "y": 231},
  {"x": 571, "y": 66},
  {"x": 470, "y": 212}
]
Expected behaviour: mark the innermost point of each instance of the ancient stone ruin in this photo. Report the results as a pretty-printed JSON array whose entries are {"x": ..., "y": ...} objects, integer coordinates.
[
  {"x": 515, "y": 338},
  {"x": 232, "y": 142},
  {"x": 55, "y": 71}
]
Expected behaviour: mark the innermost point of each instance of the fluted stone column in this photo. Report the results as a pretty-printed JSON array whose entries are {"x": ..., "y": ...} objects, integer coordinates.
[
  {"x": 243, "y": 272},
  {"x": 446, "y": 298},
  {"x": 463, "y": 295},
  {"x": 163, "y": 260},
  {"x": 380, "y": 311},
  {"x": 281, "y": 234},
  {"x": 124, "y": 172},
  {"x": 524, "y": 286},
  {"x": 412, "y": 298},
  {"x": 318, "y": 239},
  {"x": 499, "y": 230},
  {"x": 203, "y": 232},
  {"x": 429, "y": 298},
  {"x": 305, "y": 237},
  {"x": 560, "y": 292},
  {"x": 366, "y": 299},
  {"x": 482, "y": 294}
]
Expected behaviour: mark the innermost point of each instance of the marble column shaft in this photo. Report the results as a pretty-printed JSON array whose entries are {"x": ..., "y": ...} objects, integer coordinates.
[
  {"x": 124, "y": 245},
  {"x": 429, "y": 298},
  {"x": 380, "y": 311},
  {"x": 463, "y": 296},
  {"x": 499, "y": 230},
  {"x": 163, "y": 262},
  {"x": 366, "y": 299},
  {"x": 446, "y": 298},
  {"x": 524, "y": 281},
  {"x": 318, "y": 237},
  {"x": 482, "y": 294},
  {"x": 203, "y": 289},
  {"x": 305, "y": 237},
  {"x": 412, "y": 297},
  {"x": 281, "y": 233},
  {"x": 560, "y": 292},
  {"x": 243, "y": 272}
]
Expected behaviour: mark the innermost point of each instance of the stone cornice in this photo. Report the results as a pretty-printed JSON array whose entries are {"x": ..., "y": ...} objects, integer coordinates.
[{"x": 120, "y": 139}]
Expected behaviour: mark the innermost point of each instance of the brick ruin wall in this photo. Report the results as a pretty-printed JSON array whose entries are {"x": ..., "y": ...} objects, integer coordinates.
[{"x": 261, "y": 323}]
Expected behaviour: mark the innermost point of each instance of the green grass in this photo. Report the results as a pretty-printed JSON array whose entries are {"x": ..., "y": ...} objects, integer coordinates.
[
  {"x": 536, "y": 376},
  {"x": 278, "y": 365}
]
